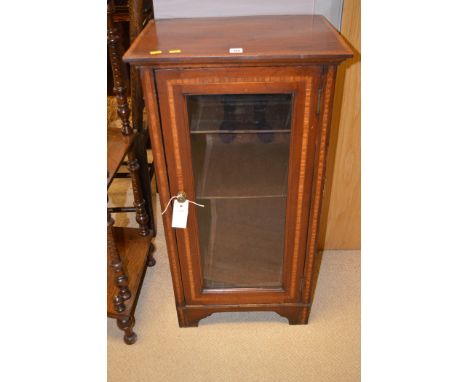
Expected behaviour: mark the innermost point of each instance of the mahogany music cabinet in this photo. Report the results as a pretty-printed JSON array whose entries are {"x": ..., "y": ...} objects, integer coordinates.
[{"x": 239, "y": 113}]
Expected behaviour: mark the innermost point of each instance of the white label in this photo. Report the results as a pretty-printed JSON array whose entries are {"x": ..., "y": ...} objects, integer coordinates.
[
  {"x": 180, "y": 214},
  {"x": 236, "y": 50}
]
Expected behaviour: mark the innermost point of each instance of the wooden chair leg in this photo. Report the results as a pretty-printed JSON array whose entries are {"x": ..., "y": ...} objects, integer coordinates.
[{"x": 126, "y": 324}]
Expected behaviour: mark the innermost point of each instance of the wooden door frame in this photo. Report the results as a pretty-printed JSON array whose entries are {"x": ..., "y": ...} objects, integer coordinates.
[{"x": 171, "y": 86}]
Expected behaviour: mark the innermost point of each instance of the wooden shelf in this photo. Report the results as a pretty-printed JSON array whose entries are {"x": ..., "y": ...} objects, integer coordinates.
[
  {"x": 244, "y": 180},
  {"x": 133, "y": 250},
  {"x": 221, "y": 197},
  {"x": 207, "y": 113},
  {"x": 252, "y": 131},
  {"x": 117, "y": 147},
  {"x": 245, "y": 167}
]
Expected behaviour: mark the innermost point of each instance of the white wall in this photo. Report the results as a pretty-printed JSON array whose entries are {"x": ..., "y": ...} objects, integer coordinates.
[{"x": 168, "y": 9}]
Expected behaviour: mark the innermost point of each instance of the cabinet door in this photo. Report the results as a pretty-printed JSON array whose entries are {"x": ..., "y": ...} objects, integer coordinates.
[{"x": 241, "y": 142}]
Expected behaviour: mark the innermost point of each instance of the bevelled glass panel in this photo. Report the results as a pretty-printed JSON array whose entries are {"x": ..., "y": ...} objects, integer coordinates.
[{"x": 240, "y": 155}]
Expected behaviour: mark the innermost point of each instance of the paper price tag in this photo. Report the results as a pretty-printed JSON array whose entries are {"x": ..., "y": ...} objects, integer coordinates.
[
  {"x": 180, "y": 214},
  {"x": 236, "y": 50}
]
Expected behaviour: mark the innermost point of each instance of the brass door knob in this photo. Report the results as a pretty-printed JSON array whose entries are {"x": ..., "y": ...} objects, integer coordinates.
[{"x": 181, "y": 196}]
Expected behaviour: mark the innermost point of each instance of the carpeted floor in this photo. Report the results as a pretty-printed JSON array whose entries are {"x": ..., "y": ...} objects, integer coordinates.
[{"x": 240, "y": 346}]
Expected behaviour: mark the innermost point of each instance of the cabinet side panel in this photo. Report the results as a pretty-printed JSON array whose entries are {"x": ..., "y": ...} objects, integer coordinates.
[
  {"x": 318, "y": 183},
  {"x": 151, "y": 101}
]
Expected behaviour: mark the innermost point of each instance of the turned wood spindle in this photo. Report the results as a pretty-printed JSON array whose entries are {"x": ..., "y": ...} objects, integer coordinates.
[
  {"x": 138, "y": 201},
  {"x": 119, "y": 305},
  {"x": 120, "y": 90},
  {"x": 119, "y": 71},
  {"x": 135, "y": 10},
  {"x": 126, "y": 324},
  {"x": 120, "y": 279}
]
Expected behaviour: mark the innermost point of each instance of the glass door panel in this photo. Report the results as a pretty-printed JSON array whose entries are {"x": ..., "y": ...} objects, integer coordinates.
[{"x": 240, "y": 146}]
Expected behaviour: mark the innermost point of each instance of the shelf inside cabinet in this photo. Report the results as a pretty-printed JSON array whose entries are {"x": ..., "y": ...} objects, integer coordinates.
[
  {"x": 117, "y": 146},
  {"x": 133, "y": 249},
  {"x": 243, "y": 113},
  {"x": 247, "y": 131},
  {"x": 248, "y": 166}
]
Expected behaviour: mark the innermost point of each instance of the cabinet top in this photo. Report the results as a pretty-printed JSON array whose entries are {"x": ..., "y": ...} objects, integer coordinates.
[{"x": 238, "y": 40}]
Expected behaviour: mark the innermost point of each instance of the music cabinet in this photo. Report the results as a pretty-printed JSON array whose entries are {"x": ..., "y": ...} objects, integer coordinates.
[{"x": 239, "y": 113}]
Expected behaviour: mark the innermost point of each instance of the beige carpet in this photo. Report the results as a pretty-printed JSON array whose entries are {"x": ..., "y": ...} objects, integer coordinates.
[{"x": 240, "y": 346}]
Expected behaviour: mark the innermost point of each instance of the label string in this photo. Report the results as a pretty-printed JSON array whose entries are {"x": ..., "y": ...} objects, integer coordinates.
[{"x": 175, "y": 197}]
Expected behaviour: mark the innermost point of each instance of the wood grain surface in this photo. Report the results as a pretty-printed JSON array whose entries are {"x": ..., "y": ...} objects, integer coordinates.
[
  {"x": 284, "y": 39},
  {"x": 117, "y": 146},
  {"x": 133, "y": 249},
  {"x": 171, "y": 87},
  {"x": 341, "y": 214},
  {"x": 282, "y": 55}
]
